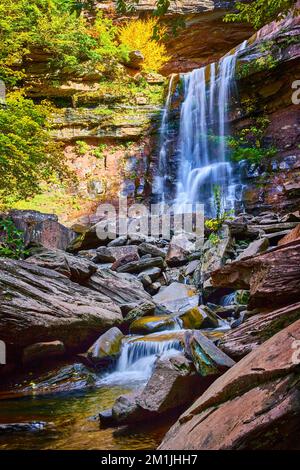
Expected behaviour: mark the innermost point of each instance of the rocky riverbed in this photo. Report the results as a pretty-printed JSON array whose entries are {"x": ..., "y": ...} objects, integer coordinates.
[{"x": 137, "y": 330}]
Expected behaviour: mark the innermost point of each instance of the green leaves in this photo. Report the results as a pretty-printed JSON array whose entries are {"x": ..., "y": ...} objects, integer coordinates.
[
  {"x": 260, "y": 12},
  {"x": 27, "y": 154},
  {"x": 11, "y": 240}
]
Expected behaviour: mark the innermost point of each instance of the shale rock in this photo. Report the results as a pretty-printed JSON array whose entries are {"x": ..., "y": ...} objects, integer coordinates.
[
  {"x": 43, "y": 229},
  {"x": 254, "y": 405},
  {"x": 141, "y": 265},
  {"x": 256, "y": 330},
  {"x": 43, "y": 351},
  {"x": 272, "y": 278},
  {"x": 172, "y": 385},
  {"x": 122, "y": 289},
  {"x": 75, "y": 268},
  {"x": 41, "y": 305}
]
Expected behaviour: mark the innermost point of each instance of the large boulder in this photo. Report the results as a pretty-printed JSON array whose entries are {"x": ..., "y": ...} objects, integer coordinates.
[
  {"x": 42, "y": 305},
  {"x": 206, "y": 356},
  {"x": 273, "y": 278},
  {"x": 256, "y": 330},
  {"x": 43, "y": 351},
  {"x": 107, "y": 348},
  {"x": 199, "y": 317},
  {"x": 254, "y": 405},
  {"x": 172, "y": 385},
  {"x": 43, "y": 229},
  {"x": 74, "y": 267},
  {"x": 177, "y": 297}
]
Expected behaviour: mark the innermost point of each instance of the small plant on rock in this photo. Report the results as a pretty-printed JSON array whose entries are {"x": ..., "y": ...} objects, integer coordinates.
[
  {"x": 214, "y": 225},
  {"x": 11, "y": 240}
]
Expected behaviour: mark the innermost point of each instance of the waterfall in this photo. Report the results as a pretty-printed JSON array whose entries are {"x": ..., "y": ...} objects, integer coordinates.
[
  {"x": 161, "y": 180},
  {"x": 201, "y": 149},
  {"x": 137, "y": 359}
]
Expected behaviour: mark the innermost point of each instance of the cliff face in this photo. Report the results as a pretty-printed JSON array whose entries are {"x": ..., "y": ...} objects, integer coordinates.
[
  {"x": 266, "y": 73},
  {"x": 110, "y": 131}
]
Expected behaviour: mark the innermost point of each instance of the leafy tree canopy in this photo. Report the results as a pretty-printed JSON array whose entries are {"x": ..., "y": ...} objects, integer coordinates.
[
  {"x": 260, "y": 12},
  {"x": 28, "y": 156}
]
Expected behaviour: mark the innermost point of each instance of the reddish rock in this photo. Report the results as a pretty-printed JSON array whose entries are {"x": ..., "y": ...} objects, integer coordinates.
[
  {"x": 125, "y": 259},
  {"x": 291, "y": 237},
  {"x": 256, "y": 330},
  {"x": 254, "y": 405},
  {"x": 43, "y": 351},
  {"x": 42, "y": 229},
  {"x": 272, "y": 278},
  {"x": 41, "y": 305}
]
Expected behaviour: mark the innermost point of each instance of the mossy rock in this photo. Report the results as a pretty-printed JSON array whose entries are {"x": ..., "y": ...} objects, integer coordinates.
[{"x": 153, "y": 324}]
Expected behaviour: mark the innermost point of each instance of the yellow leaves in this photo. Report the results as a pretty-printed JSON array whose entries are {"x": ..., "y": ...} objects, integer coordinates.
[{"x": 146, "y": 36}]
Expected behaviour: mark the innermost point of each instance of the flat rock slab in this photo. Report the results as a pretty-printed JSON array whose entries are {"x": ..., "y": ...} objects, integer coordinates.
[{"x": 141, "y": 265}]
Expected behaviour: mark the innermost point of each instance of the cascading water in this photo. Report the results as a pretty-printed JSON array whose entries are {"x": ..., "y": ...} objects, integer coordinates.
[
  {"x": 137, "y": 359},
  {"x": 161, "y": 180},
  {"x": 202, "y": 151}
]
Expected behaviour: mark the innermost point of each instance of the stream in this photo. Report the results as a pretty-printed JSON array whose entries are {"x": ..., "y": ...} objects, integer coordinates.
[{"x": 69, "y": 398}]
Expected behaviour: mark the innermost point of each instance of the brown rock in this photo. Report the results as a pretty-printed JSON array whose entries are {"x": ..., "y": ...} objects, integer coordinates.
[
  {"x": 43, "y": 351},
  {"x": 256, "y": 330},
  {"x": 75, "y": 268},
  {"x": 42, "y": 229},
  {"x": 41, "y": 305},
  {"x": 125, "y": 259},
  {"x": 291, "y": 237},
  {"x": 122, "y": 289},
  {"x": 111, "y": 254},
  {"x": 173, "y": 384},
  {"x": 272, "y": 278},
  {"x": 256, "y": 404}
]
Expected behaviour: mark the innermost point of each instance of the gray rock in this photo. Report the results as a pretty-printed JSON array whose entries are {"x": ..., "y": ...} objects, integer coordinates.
[
  {"x": 75, "y": 268},
  {"x": 147, "y": 248},
  {"x": 107, "y": 348},
  {"x": 141, "y": 265},
  {"x": 107, "y": 254},
  {"x": 255, "y": 248},
  {"x": 122, "y": 288}
]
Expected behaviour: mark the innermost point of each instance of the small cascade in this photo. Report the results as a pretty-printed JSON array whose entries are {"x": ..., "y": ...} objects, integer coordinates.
[
  {"x": 228, "y": 299},
  {"x": 202, "y": 150},
  {"x": 138, "y": 357}
]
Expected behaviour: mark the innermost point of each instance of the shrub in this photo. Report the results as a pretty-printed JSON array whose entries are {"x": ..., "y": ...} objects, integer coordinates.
[
  {"x": 145, "y": 36},
  {"x": 11, "y": 240}
]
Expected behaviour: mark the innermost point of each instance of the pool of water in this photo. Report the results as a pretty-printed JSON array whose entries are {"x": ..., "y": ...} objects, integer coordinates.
[{"x": 69, "y": 399}]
